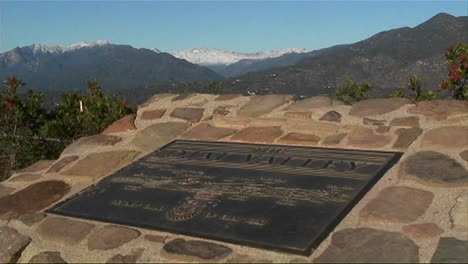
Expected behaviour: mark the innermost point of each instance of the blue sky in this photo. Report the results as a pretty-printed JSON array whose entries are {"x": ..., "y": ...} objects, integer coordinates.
[{"x": 243, "y": 26}]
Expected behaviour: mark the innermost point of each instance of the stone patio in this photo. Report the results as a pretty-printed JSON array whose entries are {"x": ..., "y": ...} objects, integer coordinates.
[{"x": 417, "y": 212}]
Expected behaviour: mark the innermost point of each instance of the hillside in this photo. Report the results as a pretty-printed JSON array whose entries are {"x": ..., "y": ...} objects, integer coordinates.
[
  {"x": 386, "y": 59},
  {"x": 118, "y": 67}
]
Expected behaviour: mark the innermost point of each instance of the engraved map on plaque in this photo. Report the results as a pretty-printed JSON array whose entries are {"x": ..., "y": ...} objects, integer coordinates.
[{"x": 285, "y": 198}]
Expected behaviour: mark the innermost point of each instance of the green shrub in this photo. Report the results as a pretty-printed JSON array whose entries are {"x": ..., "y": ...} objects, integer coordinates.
[
  {"x": 416, "y": 93},
  {"x": 35, "y": 133},
  {"x": 353, "y": 91}
]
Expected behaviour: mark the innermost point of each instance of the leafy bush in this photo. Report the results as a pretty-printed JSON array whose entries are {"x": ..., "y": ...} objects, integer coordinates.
[
  {"x": 79, "y": 116},
  {"x": 353, "y": 91},
  {"x": 457, "y": 80},
  {"x": 35, "y": 133},
  {"x": 416, "y": 92},
  {"x": 21, "y": 120}
]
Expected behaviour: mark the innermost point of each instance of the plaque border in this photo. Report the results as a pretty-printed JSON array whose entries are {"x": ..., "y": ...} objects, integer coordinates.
[{"x": 326, "y": 230}]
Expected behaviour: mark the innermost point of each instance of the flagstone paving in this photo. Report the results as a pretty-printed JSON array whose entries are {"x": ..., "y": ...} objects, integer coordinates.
[
  {"x": 451, "y": 250},
  {"x": 124, "y": 124},
  {"x": 439, "y": 109},
  {"x": 431, "y": 167},
  {"x": 33, "y": 198},
  {"x": 417, "y": 211},
  {"x": 399, "y": 204},
  {"x": 36, "y": 167},
  {"x": 12, "y": 243},
  {"x": 195, "y": 248},
  {"x": 373, "y": 107},
  {"x": 82, "y": 144},
  {"x": 31, "y": 218},
  {"x": 96, "y": 165},
  {"x": 411, "y": 121},
  {"x": 454, "y": 137},
  {"x": 129, "y": 258},
  {"x": 331, "y": 116},
  {"x": 421, "y": 231},
  {"x": 189, "y": 114},
  {"x": 62, "y": 163},
  {"x": 110, "y": 237},
  {"x": 152, "y": 114},
  {"x": 365, "y": 245},
  {"x": 406, "y": 136},
  {"x": 62, "y": 230},
  {"x": 47, "y": 257}
]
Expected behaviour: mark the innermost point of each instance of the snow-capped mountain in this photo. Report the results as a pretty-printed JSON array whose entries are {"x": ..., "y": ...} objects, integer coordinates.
[
  {"x": 212, "y": 56},
  {"x": 57, "y": 49}
]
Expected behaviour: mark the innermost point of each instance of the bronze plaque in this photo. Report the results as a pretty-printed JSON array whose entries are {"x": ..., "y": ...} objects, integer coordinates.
[{"x": 284, "y": 198}]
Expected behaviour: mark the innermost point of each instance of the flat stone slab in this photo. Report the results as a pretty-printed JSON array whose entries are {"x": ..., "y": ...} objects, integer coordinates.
[
  {"x": 411, "y": 121},
  {"x": 195, "y": 248},
  {"x": 110, "y": 237},
  {"x": 32, "y": 218},
  {"x": 299, "y": 139},
  {"x": 4, "y": 190},
  {"x": 451, "y": 137},
  {"x": 97, "y": 165},
  {"x": 434, "y": 168},
  {"x": 62, "y": 230},
  {"x": 25, "y": 177},
  {"x": 36, "y": 167},
  {"x": 129, "y": 258},
  {"x": 269, "y": 196},
  {"x": 258, "y": 134},
  {"x": 189, "y": 114},
  {"x": 451, "y": 250},
  {"x": 157, "y": 135},
  {"x": 366, "y": 245},
  {"x": 241, "y": 258},
  {"x": 62, "y": 163},
  {"x": 406, "y": 136},
  {"x": 222, "y": 110},
  {"x": 373, "y": 107},
  {"x": 152, "y": 114},
  {"x": 47, "y": 257},
  {"x": 439, "y": 109},
  {"x": 32, "y": 198},
  {"x": 382, "y": 129},
  {"x": 156, "y": 238},
  {"x": 334, "y": 139},
  {"x": 85, "y": 143},
  {"x": 208, "y": 132},
  {"x": 331, "y": 116},
  {"x": 261, "y": 105},
  {"x": 373, "y": 122},
  {"x": 183, "y": 96},
  {"x": 12, "y": 244},
  {"x": 313, "y": 103},
  {"x": 157, "y": 98},
  {"x": 298, "y": 115},
  {"x": 464, "y": 155},
  {"x": 423, "y": 230},
  {"x": 227, "y": 97},
  {"x": 398, "y": 204},
  {"x": 366, "y": 138},
  {"x": 126, "y": 123}
]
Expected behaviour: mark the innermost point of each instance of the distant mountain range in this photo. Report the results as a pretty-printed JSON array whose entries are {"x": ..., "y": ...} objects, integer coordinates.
[
  {"x": 387, "y": 59},
  {"x": 230, "y": 63},
  {"x": 118, "y": 67}
]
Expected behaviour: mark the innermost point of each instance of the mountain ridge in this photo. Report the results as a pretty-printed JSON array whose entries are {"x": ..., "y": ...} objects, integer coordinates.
[{"x": 387, "y": 59}]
